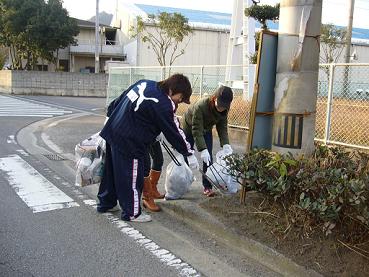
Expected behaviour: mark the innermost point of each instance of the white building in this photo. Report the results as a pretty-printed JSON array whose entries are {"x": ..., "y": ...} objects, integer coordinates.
[{"x": 208, "y": 44}]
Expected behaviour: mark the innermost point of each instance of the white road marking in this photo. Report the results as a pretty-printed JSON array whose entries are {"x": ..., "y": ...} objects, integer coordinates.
[
  {"x": 51, "y": 144},
  {"x": 11, "y": 139},
  {"x": 14, "y": 107},
  {"x": 22, "y": 152},
  {"x": 34, "y": 189},
  {"x": 162, "y": 254}
]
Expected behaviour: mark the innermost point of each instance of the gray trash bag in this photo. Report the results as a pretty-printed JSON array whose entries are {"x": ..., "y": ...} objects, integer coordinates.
[{"x": 178, "y": 179}]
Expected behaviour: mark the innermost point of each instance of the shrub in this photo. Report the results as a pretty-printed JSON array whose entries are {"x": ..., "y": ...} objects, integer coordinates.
[{"x": 331, "y": 187}]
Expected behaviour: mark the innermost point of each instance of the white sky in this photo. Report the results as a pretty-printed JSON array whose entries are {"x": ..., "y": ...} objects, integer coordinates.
[{"x": 334, "y": 11}]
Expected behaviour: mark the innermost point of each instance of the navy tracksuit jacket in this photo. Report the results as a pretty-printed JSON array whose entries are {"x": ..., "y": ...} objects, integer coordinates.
[{"x": 136, "y": 118}]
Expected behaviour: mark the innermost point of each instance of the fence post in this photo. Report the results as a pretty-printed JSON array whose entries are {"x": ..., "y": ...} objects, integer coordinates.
[
  {"x": 162, "y": 73},
  {"x": 329, "y": 104},
  {"x": 130, "y": 76},
  {"x": 201, "y": 79},
  {"x": 107, "y": 102}
]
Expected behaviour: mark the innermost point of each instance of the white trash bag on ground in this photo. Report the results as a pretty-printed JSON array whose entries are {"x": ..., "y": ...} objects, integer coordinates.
[
  {"x": 178, "y": 179},
  {"x": 218, "y": 173},
  {"x": 90, "y": 157}
]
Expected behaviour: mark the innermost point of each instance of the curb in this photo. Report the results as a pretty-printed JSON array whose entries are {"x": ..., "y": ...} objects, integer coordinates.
[{"x": 193, "y": 215}]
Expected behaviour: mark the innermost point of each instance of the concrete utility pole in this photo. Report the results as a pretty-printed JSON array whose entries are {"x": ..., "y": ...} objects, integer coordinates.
[
  {"x": 297, "y": 76},
  {"x": 248, "y": 50},
  {"x": 349, "y": 31},
  {"x": 97, "y": 39},
  {"x": 241, "y": 46}
]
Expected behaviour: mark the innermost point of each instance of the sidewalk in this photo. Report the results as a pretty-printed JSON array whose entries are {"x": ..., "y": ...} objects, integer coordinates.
[{"x": 70, "y": 131}]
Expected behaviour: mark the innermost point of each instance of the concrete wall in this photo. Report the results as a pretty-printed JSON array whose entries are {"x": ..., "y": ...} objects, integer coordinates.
[
  {"x": 53, "y": 83},
  {"x": 86, "y": 36},
  {"x": 81, "y": 62},
  {"x": 5, "y": 81}
]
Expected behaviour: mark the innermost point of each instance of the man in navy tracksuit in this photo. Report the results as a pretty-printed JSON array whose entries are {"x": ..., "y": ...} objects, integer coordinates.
[{"x": 136, "y": 118}]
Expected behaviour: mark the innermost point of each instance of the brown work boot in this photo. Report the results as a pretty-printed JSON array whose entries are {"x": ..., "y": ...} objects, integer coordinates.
[
  {"x": 154, "y": 178},
  {"x": 147, "y": 199}
]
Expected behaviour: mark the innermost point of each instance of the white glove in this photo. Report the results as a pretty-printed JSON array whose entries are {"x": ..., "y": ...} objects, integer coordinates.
[
  {"x": 227, "y": 149},
  {"x": 192, "y": 162},
  {"x": 205, "y": 156},
  {"x": 160, "y": 137}
]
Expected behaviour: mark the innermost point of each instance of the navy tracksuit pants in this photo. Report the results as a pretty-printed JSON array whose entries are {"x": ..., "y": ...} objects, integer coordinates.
[{"x": 123, "y": 181}]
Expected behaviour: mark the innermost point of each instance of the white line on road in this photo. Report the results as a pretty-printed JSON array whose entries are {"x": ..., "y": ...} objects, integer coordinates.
[
  {"x": 163, "y": 255},
  {"x": 34, "y": 189},
  {"x": 11, "y": 139},
  {"x": 51, "y": 144},
  {"x": 15, "y": 107}
]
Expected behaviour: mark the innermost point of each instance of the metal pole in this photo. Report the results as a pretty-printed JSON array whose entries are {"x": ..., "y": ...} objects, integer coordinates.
[
  {"x": 329, "y": 104},
  {"x": 348, "y": 48},
  {"x": 97, "y": 39},
  {"x": 349, "y": 31},
  {"x": 162, "y": 74},
  {"x": 201, "y": 80}
]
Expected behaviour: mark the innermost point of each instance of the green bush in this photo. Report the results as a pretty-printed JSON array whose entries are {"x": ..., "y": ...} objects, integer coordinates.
[{"x": 332, "y": 186}]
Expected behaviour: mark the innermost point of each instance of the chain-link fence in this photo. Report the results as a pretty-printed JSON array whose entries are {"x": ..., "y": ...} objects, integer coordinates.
[
  {"x": 342, "y": 115},
  {"x": 343, "y": 105},
  {"x": 204, "y": 80}
]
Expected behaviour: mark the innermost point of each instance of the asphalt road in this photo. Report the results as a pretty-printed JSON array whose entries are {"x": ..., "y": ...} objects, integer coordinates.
[
  {"x": 61, "y": 242},
  {"x": 75, "y": 240}
]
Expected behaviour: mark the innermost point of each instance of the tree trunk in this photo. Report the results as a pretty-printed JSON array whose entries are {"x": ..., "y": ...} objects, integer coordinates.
[
  {"x": 57, "y": 60},
  {"x": 297, "y": 76}
]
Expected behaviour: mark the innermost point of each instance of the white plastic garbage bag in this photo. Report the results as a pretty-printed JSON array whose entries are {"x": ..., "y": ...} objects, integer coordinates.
[
  {"x": 91, "y": 147},
  {"x": 218, "y": 173},
  {"x": 178, "y": 179},
  {"x": 90, "y": 157}
]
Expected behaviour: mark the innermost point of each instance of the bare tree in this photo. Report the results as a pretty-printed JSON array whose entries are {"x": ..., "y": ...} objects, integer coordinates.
[
  {"x": 168, "y": 31},
  {"x": 332, "y": 40}
]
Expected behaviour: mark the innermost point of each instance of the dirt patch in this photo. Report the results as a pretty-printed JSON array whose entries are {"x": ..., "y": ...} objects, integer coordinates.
[{"x": 313, "y": 249}]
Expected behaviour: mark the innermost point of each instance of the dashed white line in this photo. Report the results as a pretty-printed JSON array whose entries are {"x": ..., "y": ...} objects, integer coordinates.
[{"x": 163, "y": 255}]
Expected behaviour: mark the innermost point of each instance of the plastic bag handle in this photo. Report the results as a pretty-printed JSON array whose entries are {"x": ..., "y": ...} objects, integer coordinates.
[
  {"x": 212, "y": 169},
  {"x": 170, "y": 153}
]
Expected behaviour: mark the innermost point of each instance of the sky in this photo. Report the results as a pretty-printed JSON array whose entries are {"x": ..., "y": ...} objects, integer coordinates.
[{"x": 334, "y": 11}]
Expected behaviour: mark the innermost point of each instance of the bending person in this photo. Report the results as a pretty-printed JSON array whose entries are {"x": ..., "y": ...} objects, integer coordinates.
[
  {"x": 136, "y": 118},
  {"x": 198, "y": 123}
]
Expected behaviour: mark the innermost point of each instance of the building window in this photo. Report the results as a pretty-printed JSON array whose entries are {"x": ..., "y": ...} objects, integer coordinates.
[
  {"x": 42, "y": 67},
  {"x": 64, "y": 65}
]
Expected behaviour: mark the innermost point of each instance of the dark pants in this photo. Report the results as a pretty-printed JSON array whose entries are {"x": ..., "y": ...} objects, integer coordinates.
[
  {"x": 208, "y": 136},
  {"x": 156, "y": 155},
  {"x": 123, "y": 181}
]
